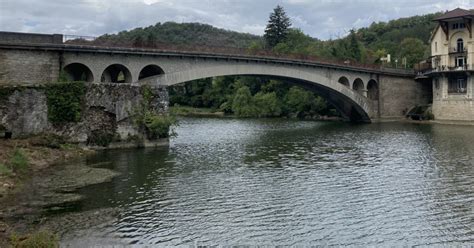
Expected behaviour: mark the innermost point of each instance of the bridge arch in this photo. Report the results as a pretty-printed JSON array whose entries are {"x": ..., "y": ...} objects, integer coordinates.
[
  {"x": 350, "y": 104},
  {"x": 150, "y": 71},
  {"x": 78, "y": 72},
  {"x": 116, "y": 73},
  {"x": 359, "y": 86},
  {"x": 373, "y": 90},
  {"x": 344, "y": 81}
]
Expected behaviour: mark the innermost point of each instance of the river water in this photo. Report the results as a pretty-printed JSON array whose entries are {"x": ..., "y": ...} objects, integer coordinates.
[{"x": 283, "y": 182}]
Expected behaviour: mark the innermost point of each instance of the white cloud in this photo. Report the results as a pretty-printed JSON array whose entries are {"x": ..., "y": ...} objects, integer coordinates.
[{"x": 319, "y": 18}]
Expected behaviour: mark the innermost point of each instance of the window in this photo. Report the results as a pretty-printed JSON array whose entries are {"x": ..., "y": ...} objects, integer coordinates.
[
  {"x": 460, "y": 47},
  {"x": 457, "y": 85},
  {"x": 462, "y": 25},
  {"x": 436, "y": 47},
  {"x": 455, "y": 25},
  {"x": 459, "y": 61}
]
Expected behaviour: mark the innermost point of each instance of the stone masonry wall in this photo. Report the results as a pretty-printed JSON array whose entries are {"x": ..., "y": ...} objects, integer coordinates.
[
  {"x": 399, "y": 95},
  {"x": 107, "y": 107},
  {"x": 36, "y": 67}
]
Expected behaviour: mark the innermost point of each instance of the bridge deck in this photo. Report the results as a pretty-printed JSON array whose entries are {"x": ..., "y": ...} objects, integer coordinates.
[{"x": 204, "y": 55}]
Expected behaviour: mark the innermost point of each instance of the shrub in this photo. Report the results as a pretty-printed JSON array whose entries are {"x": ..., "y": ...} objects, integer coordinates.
[
  {"x": 4, "y": 170},
  {"x": 149, "y": 121},
  {"x": 19, "y": 161},
  {"x": 65, "y": 102},
  {"x": 158, "y": 126}
]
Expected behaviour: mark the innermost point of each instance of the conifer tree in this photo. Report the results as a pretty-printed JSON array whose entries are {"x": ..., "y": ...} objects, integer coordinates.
[{"x": 277, "y": 27}]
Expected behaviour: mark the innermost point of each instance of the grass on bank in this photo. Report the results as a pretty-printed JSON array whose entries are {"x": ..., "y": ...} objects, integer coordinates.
[
  {"x": 17, "y": 163},
  {"x": 41, "y": 239},
  {"x": 190, "y": 111}
]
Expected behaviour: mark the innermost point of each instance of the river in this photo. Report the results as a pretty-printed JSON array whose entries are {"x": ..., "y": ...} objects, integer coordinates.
[{"x": 284, "y": 182}]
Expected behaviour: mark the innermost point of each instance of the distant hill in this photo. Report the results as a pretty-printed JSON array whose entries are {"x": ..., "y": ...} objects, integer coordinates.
[
  {"x": 187, "y": 34},
  {"x": 402, "y": 38},
  {"x": 389, "y": 35}
]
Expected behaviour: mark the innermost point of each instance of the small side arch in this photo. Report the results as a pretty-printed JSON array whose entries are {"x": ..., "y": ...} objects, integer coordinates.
[
  {"x": 359, "y": 86},
  {"x": 344, "y": 81},
  {"x": 116, "y": 73},
  {"x": 78, "y": 72},
  {"x": 150, "y": 71},
  {"x": 373, "y": 90}
]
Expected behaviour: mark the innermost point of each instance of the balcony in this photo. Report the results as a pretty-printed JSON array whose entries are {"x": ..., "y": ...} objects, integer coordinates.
[{"x": 455, "y": 51}]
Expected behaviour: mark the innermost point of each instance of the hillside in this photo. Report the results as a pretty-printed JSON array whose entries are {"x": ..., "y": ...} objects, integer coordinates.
[
  {"x": 187, "y": 34},
  {"x": 402, "y": 38}
]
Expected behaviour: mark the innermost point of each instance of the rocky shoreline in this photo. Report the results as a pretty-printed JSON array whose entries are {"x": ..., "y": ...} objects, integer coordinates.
[{"x": 34, "y": 199}]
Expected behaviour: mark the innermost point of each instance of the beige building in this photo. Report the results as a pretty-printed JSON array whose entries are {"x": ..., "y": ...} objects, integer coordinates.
[{"x": 452, "y": 66}]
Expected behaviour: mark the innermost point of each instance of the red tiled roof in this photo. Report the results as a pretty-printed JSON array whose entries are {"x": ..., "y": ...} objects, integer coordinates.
[{"x": 456, "y": 13}]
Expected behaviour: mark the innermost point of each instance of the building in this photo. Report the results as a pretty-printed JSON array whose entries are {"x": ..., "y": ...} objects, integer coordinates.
[{"x": 452, "y": 66}]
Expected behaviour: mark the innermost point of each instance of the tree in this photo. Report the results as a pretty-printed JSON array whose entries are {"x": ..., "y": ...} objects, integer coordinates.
[
  {"x": 277, "y": 27},
  {"x": 242, "y": 104},
  {"x": 413, "y": 50},
  {"x": 354, "y": 47}
]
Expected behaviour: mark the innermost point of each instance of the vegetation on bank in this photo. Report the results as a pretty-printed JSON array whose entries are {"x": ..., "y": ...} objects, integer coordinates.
[
  {"x": 40, "y": 239},
  {"x": 65, "y": 101},
  {"x": 149, "y": 121},
  {"x": 251, "y": 97}
]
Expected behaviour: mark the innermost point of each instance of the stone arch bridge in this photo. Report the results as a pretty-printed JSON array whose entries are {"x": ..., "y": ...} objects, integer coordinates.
[{"x": 360, "y": 94}]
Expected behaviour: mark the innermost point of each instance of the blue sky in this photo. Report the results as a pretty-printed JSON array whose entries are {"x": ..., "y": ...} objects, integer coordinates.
[{"x": 323, "y": 19}]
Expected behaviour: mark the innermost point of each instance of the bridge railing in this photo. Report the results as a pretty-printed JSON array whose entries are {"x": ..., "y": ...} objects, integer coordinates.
[{"x": 221, "y": 50}]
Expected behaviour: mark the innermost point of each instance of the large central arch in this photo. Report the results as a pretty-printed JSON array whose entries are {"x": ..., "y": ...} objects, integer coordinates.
[{"x": 352, "y": 104}]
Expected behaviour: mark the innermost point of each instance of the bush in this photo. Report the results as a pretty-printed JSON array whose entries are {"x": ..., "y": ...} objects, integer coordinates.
[
  {"x": 4, "y": 170},
  {"x": 65, "y": 102},
  {"x": 242, "y": 104},
  {"x": 267, "y": 104},
  {"x": 149, "y": 121},
  {"x": 19, "y": 161},
  {"x": 158, "y": 126}
]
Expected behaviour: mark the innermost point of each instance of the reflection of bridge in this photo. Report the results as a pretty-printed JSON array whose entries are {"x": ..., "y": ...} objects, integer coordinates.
[{"x": 360, "y": 94}]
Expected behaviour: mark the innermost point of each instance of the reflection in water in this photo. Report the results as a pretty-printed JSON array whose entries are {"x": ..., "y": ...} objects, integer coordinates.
[{"x": 282, "y": 182}]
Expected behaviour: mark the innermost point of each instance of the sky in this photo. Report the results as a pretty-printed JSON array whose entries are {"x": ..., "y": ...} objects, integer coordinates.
[{"x": 323, "y": 19}]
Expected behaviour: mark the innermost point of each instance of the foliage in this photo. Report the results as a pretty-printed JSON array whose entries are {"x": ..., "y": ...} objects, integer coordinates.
[
  {"x": 245, "y": 96},
  {"x": 277, "y": 27},
  {"x": 180, "y": 34},
  {"x": 41, "y": 239},
  {"x": 158, "y": 126},
  {"x": 149, "y": 121},
  {"x": 413, "y": 50},
  {"x": 242, "y": 104},
  {"x": 19, "y": 161},
  {"x": 65, "y": 102},
  {"x": 267, "y": 104},
  {"x": 4, "y": 170}
]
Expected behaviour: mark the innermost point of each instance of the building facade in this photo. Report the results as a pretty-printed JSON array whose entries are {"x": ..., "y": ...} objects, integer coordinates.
[{"x": 452, "y": 66}]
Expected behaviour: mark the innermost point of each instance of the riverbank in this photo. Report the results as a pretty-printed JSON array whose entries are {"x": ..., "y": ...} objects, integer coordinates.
[
  {"x": 186, "y": 111},
  {"x": 195, "y": 112},
  {"x": 24, "y": 200}
]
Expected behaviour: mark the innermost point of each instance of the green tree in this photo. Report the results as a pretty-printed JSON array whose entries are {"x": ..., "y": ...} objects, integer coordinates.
[
  {"x": 298, "y": 100},
  {"x": 354, "y": 47},
  {"x": 277, "y": 27},
  {"x": 242, "y": 104},
  {"x": 267, "y": 104},
  {"x": 413, "y": 50}
]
